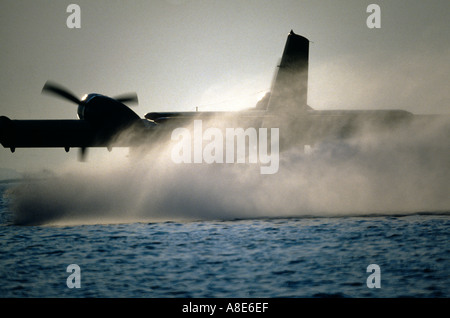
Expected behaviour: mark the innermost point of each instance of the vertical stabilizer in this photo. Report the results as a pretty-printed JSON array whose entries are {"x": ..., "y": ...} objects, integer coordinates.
[{"x": 290, "y": 88}]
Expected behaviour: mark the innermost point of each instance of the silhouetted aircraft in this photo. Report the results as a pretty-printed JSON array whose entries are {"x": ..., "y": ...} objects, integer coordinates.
[{"x": 102, "y": 119}]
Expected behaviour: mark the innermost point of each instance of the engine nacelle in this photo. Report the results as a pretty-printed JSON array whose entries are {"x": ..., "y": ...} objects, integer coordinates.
[{"x": 101, "y": 110}]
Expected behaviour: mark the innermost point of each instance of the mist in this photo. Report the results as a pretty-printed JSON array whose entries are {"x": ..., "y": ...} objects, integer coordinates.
[
  {"x": 414, "y": 81},
  {"x": 402, "y": 173}
]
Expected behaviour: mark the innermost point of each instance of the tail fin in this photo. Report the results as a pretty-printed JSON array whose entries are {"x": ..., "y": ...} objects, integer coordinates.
[{"x": 289, "y": 91}]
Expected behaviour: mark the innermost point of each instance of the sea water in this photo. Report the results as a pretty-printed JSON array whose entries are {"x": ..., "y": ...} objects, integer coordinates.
[{"x": 252, "y": 257}]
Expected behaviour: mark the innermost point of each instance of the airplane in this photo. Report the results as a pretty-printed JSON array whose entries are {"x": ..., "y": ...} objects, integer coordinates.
[{"x": 102, "y": 119}]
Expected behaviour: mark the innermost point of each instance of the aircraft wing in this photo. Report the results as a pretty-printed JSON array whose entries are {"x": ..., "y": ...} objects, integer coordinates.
[{"x": 47, "y": 133}]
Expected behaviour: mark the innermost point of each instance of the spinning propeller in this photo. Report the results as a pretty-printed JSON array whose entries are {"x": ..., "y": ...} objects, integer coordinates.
[
  {"x": 58, "y": 90},
  {"x": 97, "y": 110}
]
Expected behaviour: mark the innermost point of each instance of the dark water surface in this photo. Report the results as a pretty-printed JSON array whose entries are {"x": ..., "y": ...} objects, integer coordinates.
[{"x": 290, "y": 257}]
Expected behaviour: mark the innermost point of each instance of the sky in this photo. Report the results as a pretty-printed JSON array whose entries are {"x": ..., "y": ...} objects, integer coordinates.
[{"x": 217, "y": 55}]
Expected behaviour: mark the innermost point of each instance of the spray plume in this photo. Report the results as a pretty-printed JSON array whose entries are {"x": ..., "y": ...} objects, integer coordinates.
[{"x": 368, "y": 174}]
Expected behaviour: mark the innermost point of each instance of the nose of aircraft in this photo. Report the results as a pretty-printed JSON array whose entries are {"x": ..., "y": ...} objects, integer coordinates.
[
  {"x": 6, "y": 130},
  {"x": 4, "y": 123}
]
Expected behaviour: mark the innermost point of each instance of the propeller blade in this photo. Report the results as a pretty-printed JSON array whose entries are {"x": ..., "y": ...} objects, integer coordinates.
[
  {"x": 127, "y": 98},
  {"x": 82, "y": 154},
  {"x": 60, "y": 91}
]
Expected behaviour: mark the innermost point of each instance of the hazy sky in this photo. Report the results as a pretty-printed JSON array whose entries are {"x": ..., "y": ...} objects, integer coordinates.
[{"x": 179, "y": 54}]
